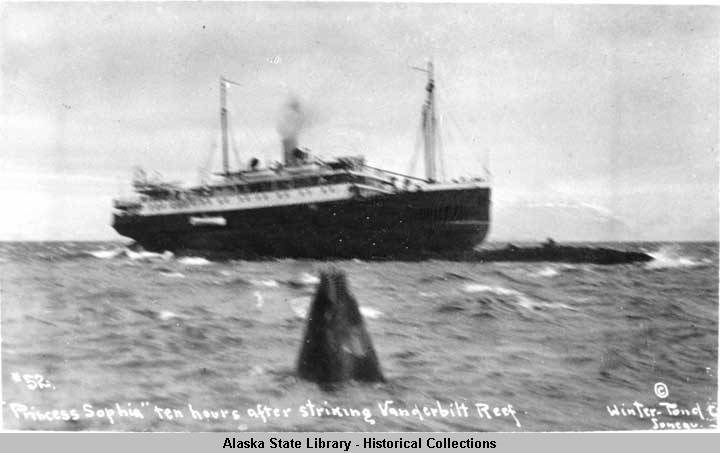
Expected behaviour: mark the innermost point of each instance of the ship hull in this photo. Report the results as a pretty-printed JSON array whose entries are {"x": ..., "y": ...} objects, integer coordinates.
[{"x": 408, "y": 226}]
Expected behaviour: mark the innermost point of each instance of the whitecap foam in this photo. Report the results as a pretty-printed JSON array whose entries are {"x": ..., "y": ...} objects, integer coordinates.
[
  {"x": 166, "y": 315},
  {"x": 522, "y": 299},
  {"x": 194, "y": 261},
  {"x": 105, "y": 254},
  {"x": 132, "y": 254},
  {"x": 259, "y": 299},
  {"x": 172, "y": 274},
  {"x": 370, "y": 312},
  {"x": 299, "y": 306},
  {"x": 669, "y": 257},
  {"x": 265, "y": 283},
  {"x": 144, "y": 255},
  {"x": 546, "y": 271},
  {"x": 499, "y": 290},
  {"x": 304, "y": 279}
]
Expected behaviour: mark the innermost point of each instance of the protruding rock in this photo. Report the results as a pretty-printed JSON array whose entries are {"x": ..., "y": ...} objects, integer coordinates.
[{"x": 336, "y": 345}]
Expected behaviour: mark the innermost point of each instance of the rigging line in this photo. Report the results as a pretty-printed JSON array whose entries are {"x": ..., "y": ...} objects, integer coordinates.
[
  {"x": 454, "y": 123},
  {"x": 233, "y": 146},
  {"x": 230, "y": 82},
  {"x": 456, "y": 135},
  {"x": 485, "y": 152},
  {"x": 460, "y": 130},
  {"x": 486, "y": 167},
  {"x": 236, "y": 153},
  {"x": 461, "y": 137},
  {"x": 233, "y": 142},
  {"x": 395, "y": 173},
  {"x": 205, "y": 169},
  {"x": 246, "y": 131},
  {"x": 416, "y": 153},
  {"x": 441, "y": 148}
]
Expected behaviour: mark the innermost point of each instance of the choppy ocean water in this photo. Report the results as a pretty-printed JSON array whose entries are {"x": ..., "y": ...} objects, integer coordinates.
[{"x": 88, "y": 327}]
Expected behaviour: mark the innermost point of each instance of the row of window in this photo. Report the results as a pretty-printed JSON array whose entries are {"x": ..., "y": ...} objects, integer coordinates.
[
  {"x": 184, "y": 201},
  {"x": 268, "y": 186}
]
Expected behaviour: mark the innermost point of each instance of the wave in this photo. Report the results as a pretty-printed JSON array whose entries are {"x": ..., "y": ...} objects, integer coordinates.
[
  {"x": 237, "y": 281},
  {"x": 194, "y": 261},
  {"x": 499, "y": 290},
  {"x": 259, "y": 299},
  {"x": 505, "y": 274},
  {"x": 450, "y": 307},
  {"x": 106, "y": 254},
  {"x": 370, "y": 312},
  {"x": 299, "y": 306},
  {"x": 303, "y": 280},
  {"x": 522, "y": 299},
  {"x": 140, "y": 255},
  {"x": 265, "y": 283},
  {"x": 166, "y": 315},
  {"x": 172, "y": 274},
  {"x": 162, "y": 315},
  {"x": 148, "y": 256},
  {"x": 444, "y": 277},
  {"x": 670, "y": 256},
  {"x": 547, "y": 271}
]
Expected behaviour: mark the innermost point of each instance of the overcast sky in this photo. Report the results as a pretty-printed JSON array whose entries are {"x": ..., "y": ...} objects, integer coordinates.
[{"x": 600, "y": 122}]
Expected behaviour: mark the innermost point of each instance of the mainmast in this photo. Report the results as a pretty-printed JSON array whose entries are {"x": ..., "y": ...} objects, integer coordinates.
[{"x": 429, "y": 125}]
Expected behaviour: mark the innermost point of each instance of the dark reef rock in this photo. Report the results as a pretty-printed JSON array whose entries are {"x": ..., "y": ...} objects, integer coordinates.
[
  {"x": 336, "y": 345},
  {"x": 550, "y": 251}
]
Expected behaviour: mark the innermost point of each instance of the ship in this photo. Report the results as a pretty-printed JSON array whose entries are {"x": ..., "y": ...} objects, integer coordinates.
[{"x": 305, "y": 207}]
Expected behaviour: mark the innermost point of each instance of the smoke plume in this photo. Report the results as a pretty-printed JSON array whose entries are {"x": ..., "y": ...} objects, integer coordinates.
[{"x": 292, "y": 119}]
